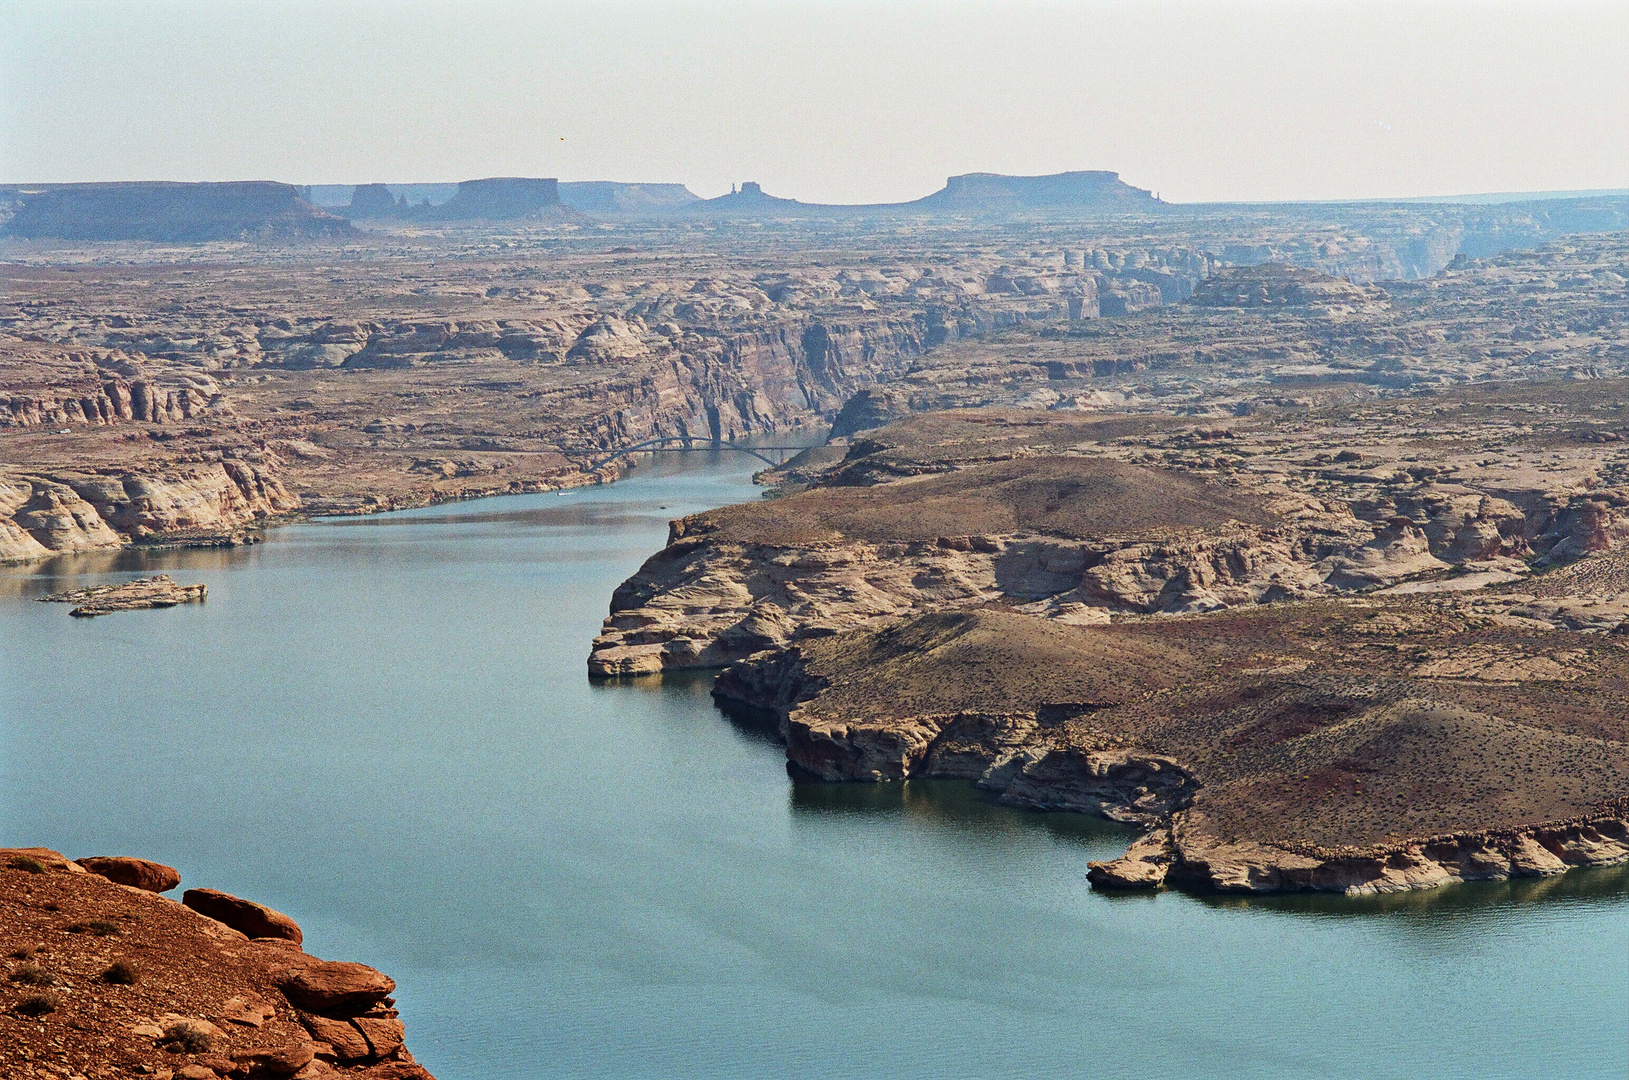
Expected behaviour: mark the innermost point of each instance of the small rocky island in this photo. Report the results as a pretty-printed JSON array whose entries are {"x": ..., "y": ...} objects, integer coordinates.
[
  {"x": 158, "y": 591},
  {"x": 105, "y": 977}
]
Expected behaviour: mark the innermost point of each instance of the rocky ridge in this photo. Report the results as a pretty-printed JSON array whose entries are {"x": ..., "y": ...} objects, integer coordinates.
[
  {"x": 1083, "y": 520},
  {"x": 107, "y": 978}
]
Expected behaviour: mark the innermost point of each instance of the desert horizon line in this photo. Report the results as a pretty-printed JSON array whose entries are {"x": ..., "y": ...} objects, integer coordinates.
[{"x": 1511, "y": 195}]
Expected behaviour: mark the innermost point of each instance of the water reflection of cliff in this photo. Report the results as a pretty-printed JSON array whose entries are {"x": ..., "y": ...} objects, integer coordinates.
[
  {"x": 955, "y": 803},
  {"x": 49, "y": 575},
  {"x": 959, "y": 804},
  {"x": 1607, "y": 884}
]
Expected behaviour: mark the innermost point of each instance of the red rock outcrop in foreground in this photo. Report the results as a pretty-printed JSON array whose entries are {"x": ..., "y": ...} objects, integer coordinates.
[{"x": 104, "y": 978}]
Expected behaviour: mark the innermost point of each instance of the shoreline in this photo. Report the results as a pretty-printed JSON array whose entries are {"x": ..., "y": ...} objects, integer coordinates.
[
  {"x": 247, "y": 533},
  {"x": 1170, "y": 854}
]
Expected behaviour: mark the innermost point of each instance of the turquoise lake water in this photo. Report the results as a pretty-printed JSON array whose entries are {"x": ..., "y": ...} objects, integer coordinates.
[{"x": 384, "y": 728}]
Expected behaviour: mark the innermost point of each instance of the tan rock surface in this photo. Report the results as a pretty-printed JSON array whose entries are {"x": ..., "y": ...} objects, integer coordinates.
[
  {"x": 957, "y": 509},
  {"x": 158, "y": 591},
  {"x": 392, "y": 369}
]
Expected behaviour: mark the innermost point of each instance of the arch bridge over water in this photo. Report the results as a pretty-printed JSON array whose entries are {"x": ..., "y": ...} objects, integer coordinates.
[{"x": 697, "y": 442}]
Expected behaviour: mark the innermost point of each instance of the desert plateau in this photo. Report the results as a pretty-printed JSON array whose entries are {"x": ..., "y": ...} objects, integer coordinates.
[{"x": 1020, "y": 540}]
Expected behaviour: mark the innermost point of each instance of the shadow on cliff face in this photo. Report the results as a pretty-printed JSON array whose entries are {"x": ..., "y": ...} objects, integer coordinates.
[
  {"x": 955, "y": 803},
  {"x": 1593, "y": 886}
]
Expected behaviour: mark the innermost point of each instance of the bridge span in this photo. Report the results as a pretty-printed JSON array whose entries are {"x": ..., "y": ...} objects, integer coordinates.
[{"x": 688, "y": 443}]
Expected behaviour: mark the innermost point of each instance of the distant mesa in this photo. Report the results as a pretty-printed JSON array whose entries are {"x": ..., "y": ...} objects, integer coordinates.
[
  {"x": 614, "y": 197},
  {"x": 986, "y": 192},
  {"x": 750, "y": 201},
  {"x": 166, "y": 212},
  {"x": 190, "y": 213},
  {"x": 374, "y": 201},
  {"x": 501, "y": 198},
  {"x": 975, "y": 194},
  {"x": 498, "y": 198},
  {"x": 435, "y": 201}
]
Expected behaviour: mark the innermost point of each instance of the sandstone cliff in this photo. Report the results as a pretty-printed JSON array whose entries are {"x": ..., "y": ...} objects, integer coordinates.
[
  {"x": 737, "y": 580},
  {"x": 211, "y": 502}
]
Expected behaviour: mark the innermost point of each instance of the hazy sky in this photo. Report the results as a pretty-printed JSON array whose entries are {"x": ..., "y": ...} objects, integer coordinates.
[{"x": 830, "y": 102}]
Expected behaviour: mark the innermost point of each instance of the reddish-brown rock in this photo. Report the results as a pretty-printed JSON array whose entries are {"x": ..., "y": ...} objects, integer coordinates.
[
  {"x": 398, "y": 1070},
  {"x": 137, "y": 873},
  {"x": 348, "y": 1042},
  {"x": 281, "y": 1061},
  {"x": 335, "y": 987},
  {"x": 19, "y": 858},
  {"x": 194, "y": 974},
  {"x": 358, "y": 1039},
  {"x": 245, "y": 916},
  {"x": 385, "y": 1034}
]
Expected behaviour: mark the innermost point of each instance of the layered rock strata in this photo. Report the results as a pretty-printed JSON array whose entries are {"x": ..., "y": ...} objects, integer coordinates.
[
  {"x": 401, "y": 371},
  {"x": 103, "y": 973},
  {"x": 212, "y": 502},
  {"x": 1296, "y": 747},
  {"x": 1077, "y": 539},
  {"x": 1299, "y": 664}
]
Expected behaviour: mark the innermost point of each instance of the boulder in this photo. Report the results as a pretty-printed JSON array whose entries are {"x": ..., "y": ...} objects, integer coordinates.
[
  {"x": 385, "y": 1034},
  {"x": 245, "y": 916},
  {"x": 17, "y": 858},
  {"x": 335, "y": 987},
  {"x": 349, "y": 1044},
  {"x": 248, "y": 1011},
  {"x": 278, "y": 1061},
  {"x": 137, "y": 873},
  {"x": 360, "y": 1038}
]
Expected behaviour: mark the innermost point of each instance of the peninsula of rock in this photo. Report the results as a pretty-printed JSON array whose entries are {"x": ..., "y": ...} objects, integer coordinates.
[{"x": 1302, "y": 652}]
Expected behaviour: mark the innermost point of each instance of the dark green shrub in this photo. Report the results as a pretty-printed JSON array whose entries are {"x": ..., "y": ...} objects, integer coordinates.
[
  {"x": 99, "y": 927},
  {"x": 31, "y": 975},
  {"x": 121, "y": 973},
  {"x": 36, "y": 1005},
  {"x": 182, "y": 1037}
]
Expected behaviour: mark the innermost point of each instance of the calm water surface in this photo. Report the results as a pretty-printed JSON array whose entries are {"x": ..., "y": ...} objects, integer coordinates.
[{"x": 383, "y": 727}]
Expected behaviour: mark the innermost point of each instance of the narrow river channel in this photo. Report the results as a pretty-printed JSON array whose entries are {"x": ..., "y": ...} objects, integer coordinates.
[{"x": 383, "y": 727}]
